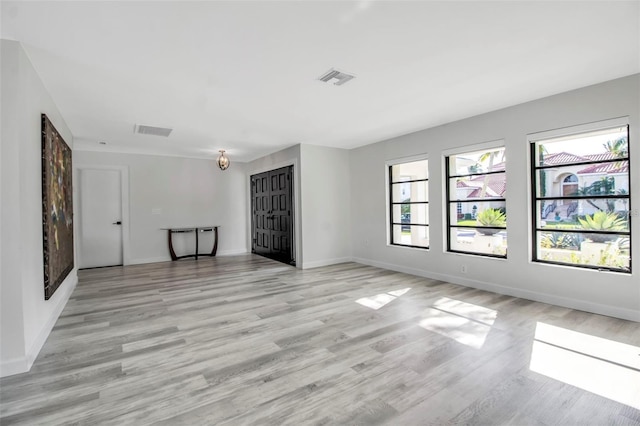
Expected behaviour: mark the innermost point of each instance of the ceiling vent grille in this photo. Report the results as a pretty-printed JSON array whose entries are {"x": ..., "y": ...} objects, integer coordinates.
[
  {"x": 150, "y": 130},
  {"x": 336, "y": 77}
]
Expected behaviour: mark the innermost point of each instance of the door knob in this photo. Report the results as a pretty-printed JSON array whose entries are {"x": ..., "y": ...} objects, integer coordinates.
[{"x": 117, "y": 223}]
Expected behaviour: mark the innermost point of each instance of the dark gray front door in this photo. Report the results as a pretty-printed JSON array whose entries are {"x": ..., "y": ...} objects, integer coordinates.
[{"x": 272, "y": 214}]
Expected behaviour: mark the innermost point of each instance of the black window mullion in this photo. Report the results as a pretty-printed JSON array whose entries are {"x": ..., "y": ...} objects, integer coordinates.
[
  {"x": 409, "y": 181},
  {"x": 396, "y": 203},
  {"x": 475, "y": 253},
  {"x": 478, "y": 174},
  {"x": 585, "y": 266},
  {"x": 582, "y": 231},
  {"x": 584, "y": 197},
  {"x": 478, "y": 226},
  {"x": 482, "y": 200}
]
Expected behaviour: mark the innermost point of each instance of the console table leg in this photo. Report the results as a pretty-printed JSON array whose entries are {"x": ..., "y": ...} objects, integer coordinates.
[
  {"x": 215, "y": 241},
  {"x": 171, "y": 252},
  {"x": 197, "y": 232}
]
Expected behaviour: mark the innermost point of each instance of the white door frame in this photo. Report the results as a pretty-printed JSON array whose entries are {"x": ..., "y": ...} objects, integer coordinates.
[{"x": 124, "y": 193}]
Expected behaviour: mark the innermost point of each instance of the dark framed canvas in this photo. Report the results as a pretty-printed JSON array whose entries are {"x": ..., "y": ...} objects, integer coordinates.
[{"x": 57, "y": 208}]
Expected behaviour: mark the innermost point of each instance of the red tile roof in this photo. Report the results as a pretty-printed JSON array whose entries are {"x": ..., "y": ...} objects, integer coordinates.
[
  {"x": 601, "y": 157},
  {"x": 609, "y": 168},
  {"x": 563, "y": 158},
  {"x": 496, "y": 185}
]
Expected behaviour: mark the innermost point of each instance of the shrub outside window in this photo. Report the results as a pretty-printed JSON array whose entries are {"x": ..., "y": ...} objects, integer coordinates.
[
  {"x": 476, "y": 202},
  {"x": 409, "y": 203},
  {"x": 581, "y": 200}
]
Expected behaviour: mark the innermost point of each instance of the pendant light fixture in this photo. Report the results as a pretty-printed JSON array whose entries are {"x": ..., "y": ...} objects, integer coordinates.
[{"x": 222, "y": 161}]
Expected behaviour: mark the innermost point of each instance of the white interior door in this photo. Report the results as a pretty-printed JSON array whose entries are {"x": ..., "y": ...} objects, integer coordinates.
[{"x": 100, "y": 218}]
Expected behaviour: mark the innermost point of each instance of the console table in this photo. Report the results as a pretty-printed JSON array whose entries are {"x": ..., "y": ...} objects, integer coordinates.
[{"x": 197, "y": 230}]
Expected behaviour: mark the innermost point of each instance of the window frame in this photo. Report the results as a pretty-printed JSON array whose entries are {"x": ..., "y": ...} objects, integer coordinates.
[
  {"x": 389, "y": 178},
  {"x": 454, "y": 203},
  {"x": 535, "y": 198}
]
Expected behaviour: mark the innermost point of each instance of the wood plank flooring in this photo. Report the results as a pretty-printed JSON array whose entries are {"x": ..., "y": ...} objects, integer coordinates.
[{"x": 246, "y": 340}]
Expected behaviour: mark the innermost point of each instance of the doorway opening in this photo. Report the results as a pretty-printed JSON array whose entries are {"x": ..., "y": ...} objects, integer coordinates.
[
  {"x": 103, "y": 219},
  {"x": 272, "y": 215}
]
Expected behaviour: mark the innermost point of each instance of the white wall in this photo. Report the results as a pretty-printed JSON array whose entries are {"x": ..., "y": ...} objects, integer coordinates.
[
  {"x": 27, "y": 318},
  {"x": 326, "y": 205},
  {"x": 12, "y": 349},
  {"x": 321, "y": 200},
  {"x": 608, "y": 293},
  {"x": 183, "y": 192}
]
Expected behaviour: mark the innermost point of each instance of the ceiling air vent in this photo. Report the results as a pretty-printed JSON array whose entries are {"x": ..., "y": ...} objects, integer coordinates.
[
  {"x": 336, "y": 77},
  {"x": 150, "y": 130}
]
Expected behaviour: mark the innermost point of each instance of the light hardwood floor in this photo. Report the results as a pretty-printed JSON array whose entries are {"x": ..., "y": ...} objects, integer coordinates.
[{"x": 245, "y": 340}]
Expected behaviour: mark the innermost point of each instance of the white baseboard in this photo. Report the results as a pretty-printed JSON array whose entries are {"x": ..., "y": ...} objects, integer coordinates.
[
  {"x": 149, "y": 260},
  {"x": 23, "y": 364},
  {"x": 325, "y": 262},
  {"x": 168, "y": 258},
  {"x": 582, "y": 305},
  {"x": 235, "y": 252},
  {"x": 14, "y": 366},
  {"x": 37, "y": 345}
]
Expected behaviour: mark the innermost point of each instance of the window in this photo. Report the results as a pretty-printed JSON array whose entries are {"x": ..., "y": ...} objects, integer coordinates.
[
  {"x": 581, "y": 199},
  {"x": 409, "y": 203},
  {"x": 476, "y": 203}
]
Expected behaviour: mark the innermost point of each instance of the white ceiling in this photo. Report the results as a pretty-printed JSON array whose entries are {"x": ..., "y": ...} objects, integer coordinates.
[{"x": 242, "y": 75}]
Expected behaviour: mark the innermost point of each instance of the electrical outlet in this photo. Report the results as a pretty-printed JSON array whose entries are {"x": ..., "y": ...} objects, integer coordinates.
[
  {"x": 365, "y": 242},
  {"x": 634, "y": 213},
  {"x": 463, "y": 269}
]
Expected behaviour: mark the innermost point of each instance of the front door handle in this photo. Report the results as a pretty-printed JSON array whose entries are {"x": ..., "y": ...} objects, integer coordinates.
[{"x": 117, "y": 223}]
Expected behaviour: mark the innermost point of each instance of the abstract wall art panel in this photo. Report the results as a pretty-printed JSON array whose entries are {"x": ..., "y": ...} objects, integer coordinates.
[{"x": 57, "y": 208}]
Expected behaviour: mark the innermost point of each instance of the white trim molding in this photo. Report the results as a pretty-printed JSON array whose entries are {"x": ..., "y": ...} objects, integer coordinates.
[
  {"x": 325, "y": 262},
  {"x": 23, "y": 364},
  {"x": 582, "y": 305},
  {"x": 580, "y": 128}
]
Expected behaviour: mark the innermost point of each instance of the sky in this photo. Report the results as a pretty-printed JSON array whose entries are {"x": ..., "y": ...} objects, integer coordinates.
[{"x": 593, "y": 144}]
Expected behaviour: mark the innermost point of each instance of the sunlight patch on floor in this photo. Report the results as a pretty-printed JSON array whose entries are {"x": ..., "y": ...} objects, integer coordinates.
[
  {"x": 400, "y": 292},
  {"x": 601, "y": 366},
  {"x": 463, "y": 322},
  {"x": 379, "y": 300},
  {"x": 468, "y": 310}
]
